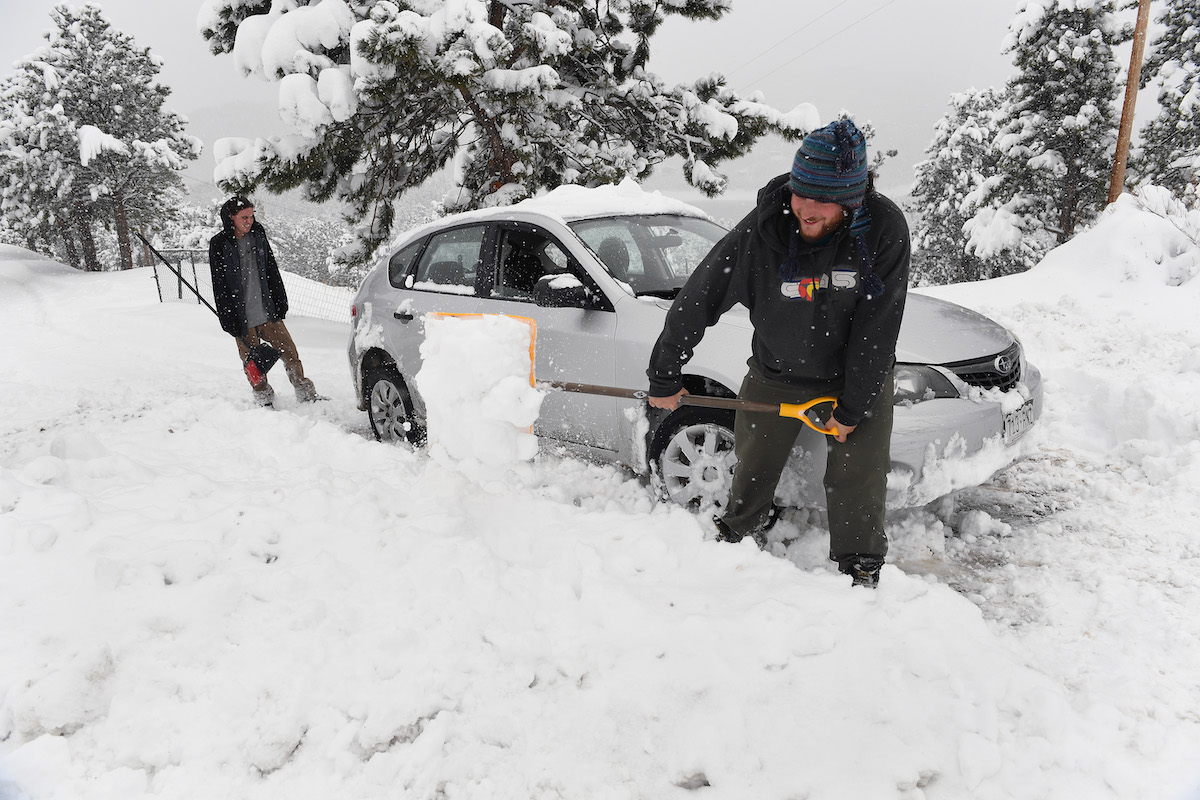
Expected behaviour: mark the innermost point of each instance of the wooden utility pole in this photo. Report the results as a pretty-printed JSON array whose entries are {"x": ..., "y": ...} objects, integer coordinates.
[{"x": 1117, "y": 183}]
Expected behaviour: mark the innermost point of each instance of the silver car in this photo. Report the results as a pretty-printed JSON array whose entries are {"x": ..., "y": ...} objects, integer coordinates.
[{"x": 597, "y": 270}]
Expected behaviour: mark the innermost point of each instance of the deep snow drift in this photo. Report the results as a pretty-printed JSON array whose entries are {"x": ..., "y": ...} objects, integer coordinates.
[{"x": 201, "y": 598}]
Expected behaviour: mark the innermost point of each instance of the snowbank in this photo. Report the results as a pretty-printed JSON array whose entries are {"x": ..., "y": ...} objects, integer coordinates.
[{"x": 1128, "y": 381}]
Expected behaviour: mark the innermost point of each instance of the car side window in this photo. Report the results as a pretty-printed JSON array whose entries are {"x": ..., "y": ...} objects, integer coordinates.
[
  {"x": 401, "y": 262},
  {"x": 524, "y": 257},
  {"x": 451, "y": 261}
]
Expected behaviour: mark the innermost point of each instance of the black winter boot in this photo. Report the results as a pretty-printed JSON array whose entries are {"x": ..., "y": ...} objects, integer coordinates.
[
  {"x": 773, "y": 515},
  {"x": 863, "y": 570},
  {"x": 726, "y": 533}
]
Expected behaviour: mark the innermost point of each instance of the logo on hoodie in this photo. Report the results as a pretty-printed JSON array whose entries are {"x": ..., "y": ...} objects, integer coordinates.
[
  {"x": 807, "y": 288},
  {"x": 804, "y": 289},
  {"x": 845, "y": 278}
]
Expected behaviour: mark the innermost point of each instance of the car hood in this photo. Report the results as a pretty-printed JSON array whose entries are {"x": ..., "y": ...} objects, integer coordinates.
[{"x": 934, "y": 331}]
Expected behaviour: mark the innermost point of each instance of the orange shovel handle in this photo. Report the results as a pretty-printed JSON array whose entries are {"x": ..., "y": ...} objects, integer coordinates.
[{"x": 799, "y": 411}]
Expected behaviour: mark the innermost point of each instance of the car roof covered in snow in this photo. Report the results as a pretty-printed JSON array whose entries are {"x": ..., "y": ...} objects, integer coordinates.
[
  {"x": 622, "y": 199},
  {"x": 567, "y": 204}
]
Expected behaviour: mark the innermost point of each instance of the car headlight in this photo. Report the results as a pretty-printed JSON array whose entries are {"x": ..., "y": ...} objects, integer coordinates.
[{"x": 916, "y": 383}]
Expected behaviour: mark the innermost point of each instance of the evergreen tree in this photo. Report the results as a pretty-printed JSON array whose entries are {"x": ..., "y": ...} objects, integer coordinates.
[
  {"x": 961, "y": 157},
  {"x": 1057, "y": 139},
  {"x": 515, "y": 97},
  {"x": 86, "y": 115},
  {"x": 1170, "y": 152},
  {"x": 36, "y": 179}
]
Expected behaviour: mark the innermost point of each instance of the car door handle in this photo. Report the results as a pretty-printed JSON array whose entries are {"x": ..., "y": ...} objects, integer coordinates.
[{"x": 403, "y": 316}]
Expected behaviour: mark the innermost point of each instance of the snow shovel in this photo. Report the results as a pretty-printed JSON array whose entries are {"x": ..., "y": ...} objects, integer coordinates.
[
  {"x": 794, "y": 410},
  {"x": 259, "y": 357}
]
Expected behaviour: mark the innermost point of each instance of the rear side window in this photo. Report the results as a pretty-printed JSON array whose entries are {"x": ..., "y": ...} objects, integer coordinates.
[{"x": 451, "y": 261}]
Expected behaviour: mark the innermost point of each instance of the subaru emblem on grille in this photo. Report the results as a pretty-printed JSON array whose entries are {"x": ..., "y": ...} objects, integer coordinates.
[{"x": 1004, "y": 364}]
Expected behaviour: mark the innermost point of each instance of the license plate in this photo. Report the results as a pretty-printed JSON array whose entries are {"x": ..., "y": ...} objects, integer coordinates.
[{"x": 1017, "y": 423}]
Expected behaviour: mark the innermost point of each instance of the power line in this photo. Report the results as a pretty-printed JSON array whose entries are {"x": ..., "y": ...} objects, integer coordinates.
[
  {"x": 822, "y": 42},
  {"x": 784, "y": 40}
]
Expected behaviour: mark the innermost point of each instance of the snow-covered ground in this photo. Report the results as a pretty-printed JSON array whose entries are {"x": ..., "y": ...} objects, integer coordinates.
[{"x": 200, "y": 598}]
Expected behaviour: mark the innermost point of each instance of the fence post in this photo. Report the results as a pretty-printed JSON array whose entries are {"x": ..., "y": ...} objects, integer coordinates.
[
  {"x": 195, "y": 281},
  {"x": 157, "y": 283},
  {"x": 153, "y": 266}
]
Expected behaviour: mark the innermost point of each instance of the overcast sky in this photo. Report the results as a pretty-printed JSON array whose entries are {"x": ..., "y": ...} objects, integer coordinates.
[{"x": 891, "y": 62}]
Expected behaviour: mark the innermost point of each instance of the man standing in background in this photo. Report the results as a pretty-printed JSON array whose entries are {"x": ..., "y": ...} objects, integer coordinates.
[{"x": 250, "y": 297}]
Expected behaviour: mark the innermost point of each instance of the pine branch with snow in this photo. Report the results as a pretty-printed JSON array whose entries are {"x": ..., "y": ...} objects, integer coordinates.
[{"x": 511, "y": 99}]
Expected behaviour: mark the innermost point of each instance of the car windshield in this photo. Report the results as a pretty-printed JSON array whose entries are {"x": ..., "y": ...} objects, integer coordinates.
[{"x": 654, "y": 254}]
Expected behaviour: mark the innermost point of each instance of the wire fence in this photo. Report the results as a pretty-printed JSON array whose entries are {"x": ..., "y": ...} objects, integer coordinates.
[{"x": 306, "y": 297}]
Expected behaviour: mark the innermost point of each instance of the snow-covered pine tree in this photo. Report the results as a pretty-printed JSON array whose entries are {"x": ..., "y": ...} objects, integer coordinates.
[
  {"x": 131, "y": 147},
  {"x": 36, "y": 181},
  {"x": 1059, "y": 134},
  {"x": 961, "y": 157},
  {"x": 516, "y": 97},
  {"x": 1169, "y": 155},
  {"x": 111, "y": 150}
]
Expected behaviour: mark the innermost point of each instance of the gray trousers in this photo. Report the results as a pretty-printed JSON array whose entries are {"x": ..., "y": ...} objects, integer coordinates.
[{"x": 855, "y": 473}]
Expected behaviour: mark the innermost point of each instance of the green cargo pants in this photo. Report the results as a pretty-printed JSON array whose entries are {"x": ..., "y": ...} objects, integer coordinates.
[{"x": 855, "y": 473}]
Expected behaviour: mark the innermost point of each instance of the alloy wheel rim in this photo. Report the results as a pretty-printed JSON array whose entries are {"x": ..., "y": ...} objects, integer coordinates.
[
  {"x": 387, "y": 411},
  {"x": 697, "y": 466}
]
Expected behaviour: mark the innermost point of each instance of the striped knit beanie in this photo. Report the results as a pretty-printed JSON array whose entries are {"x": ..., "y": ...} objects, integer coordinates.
[{"x": 831, "y": 166}]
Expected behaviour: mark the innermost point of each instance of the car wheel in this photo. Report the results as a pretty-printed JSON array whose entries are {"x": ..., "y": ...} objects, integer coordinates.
[
  {"x": 389, "y": 407},
  {"x": 692, "y": 454}
]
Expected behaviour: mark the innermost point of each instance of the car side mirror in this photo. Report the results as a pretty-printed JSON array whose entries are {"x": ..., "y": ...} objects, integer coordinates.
[{"x": 561, "y": 291}]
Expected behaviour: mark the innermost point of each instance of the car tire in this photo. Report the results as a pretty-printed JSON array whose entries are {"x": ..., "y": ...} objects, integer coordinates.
[
  {"x": 389, "y": 406},
  {"x": 692, "y": 458}
]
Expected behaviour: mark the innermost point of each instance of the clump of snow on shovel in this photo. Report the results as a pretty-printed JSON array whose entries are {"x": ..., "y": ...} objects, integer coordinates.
[{"x": 479, "y": 403}]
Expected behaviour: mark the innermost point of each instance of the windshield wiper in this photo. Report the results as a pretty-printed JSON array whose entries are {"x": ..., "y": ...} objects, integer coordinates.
[{"x": 665, "y": 294}]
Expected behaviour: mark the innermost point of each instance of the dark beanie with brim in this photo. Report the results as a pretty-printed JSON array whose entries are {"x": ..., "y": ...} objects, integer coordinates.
[{"x": 830, "y": 166}]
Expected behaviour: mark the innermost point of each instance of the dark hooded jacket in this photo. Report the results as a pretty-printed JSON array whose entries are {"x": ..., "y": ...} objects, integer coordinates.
[
  {"x": 225, "y": 263},
  {"x": 817, "y": 326}
]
